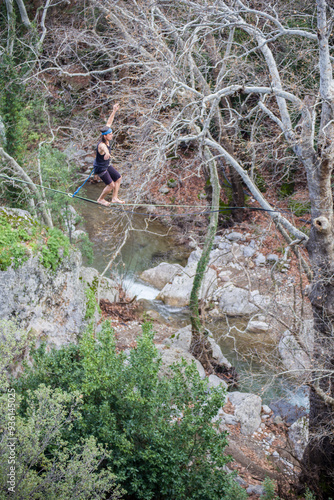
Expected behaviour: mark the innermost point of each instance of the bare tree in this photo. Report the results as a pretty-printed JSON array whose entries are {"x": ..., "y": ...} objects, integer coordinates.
[
  {"x": 172, "y": 44},
  {"x": 251, "y": 89}
]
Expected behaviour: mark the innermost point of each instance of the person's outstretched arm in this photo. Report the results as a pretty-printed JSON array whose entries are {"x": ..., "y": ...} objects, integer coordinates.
[{"x": 112, "y": 115}]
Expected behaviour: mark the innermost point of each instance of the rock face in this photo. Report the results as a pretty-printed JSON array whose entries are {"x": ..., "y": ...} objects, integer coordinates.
[
  {"x": 52, "y": 304},
  {"x": 160, "y": 275}
]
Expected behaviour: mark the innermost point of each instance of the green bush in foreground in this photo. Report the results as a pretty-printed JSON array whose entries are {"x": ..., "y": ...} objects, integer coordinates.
[
  {"x": 36, "y": 462},
  {"x": 158, "y": 432}
]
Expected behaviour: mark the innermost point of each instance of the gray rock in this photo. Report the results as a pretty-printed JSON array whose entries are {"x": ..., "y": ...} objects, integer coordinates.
[
  {"x": 221, "y": 258},
  {"x": 160, "y": 275},
  {"x": 247, "y": 410},
  {"x": 296, "y": 356},
  {"x": 266, "y": 409},
  {"x": 248, "y": 251},
  {"x": 236, "y": 301},
  {"x": 50, "y": 304},
  {"x": 260, "y": 260},
  {"x": 257, "y": 326},
  {"x": 106, "y": 289},
  {"x": 72, "y": 152},
  {"x": 224, "y": 419},
  {"x": 215, "y": 381},
  {"x": 256, "y": 489},
  {"x": 164, "y": 190},
  {"x": 240, "y": 481},
  {"x": 234, "y": 236},
  {"x": 299, "y": 435},
  {"x": 194, "y": 256},
  {"x": 224, "y": 245},
  {"x": 90, "y": 160},
  {"x": 217, "y": 352},
  {"x": 272, "y": 258},
  {"x": 177, "y": 293},
  {"x": 170, "y": 355},
  {"x": 181, "y": 338},
  {"x": 77, "y": 234}
]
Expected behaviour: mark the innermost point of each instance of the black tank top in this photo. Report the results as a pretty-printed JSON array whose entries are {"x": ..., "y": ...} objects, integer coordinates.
[{"x": 100, "y": 163}]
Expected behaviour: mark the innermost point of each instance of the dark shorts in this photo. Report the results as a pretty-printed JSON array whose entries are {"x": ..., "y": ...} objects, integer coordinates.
[{"x": 109, "y": 175}]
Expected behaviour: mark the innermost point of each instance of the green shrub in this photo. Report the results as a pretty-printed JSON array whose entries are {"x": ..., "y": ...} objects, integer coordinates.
[
  {"x": 269, "y": 488},
  {"x": 160, "y": 432},
  {"x": 19, "y": 238},
  {"x": 56, "y": 248}
]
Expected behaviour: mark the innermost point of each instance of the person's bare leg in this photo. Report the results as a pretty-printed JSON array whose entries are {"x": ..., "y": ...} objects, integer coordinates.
[
  {"x": 104, "y": 193},
  {"x": 115, "y": 198}
]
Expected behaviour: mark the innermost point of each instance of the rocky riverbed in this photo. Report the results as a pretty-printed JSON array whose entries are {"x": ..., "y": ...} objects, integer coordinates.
[{"x": 240, "y": 282}]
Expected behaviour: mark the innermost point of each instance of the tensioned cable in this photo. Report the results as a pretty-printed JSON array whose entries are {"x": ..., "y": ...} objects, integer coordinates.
[{"x": 119, "y": 207}]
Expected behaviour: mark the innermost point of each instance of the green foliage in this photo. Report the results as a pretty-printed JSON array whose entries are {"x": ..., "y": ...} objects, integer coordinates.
[
  {"x": 309, "y": 495},
  {"x": 286, "y": 189},
  {"x": 56, "y": 174},
  {"x": 55, "y": 249},
  {"x": 14, "y": 342},
  {"x": 11, "y": 104},
  {"x": 19, "y": 238},
  {"x": 44, "y": 467},
  {"x": 13, "y": 249},
  {"x": 160, "y": 430},
  {"x": 86, "y": 248},
  {"x": 260, "y": 182},
  {"x": 299, "y": 208},
  {"x": 269, "y": 488},
  {"x": 91, "y": 304}
]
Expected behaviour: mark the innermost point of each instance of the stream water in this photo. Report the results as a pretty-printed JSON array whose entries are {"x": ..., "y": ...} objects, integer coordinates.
[{"x": 150, "y": 243}]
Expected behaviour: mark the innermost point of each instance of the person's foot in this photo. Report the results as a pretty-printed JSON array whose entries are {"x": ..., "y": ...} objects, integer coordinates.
[
  {"x": 104, "y": 203},
  {"x": 117, "y": 200}
]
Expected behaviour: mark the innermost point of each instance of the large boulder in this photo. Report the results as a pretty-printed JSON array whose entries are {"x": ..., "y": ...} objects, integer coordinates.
[
  {"x": 247, "y": 411},
  {"x": 105, "y": 288},
  {"x": 235, "y": 301},
  {"x": 182, "y": 340},
  {"x": 170, "y": 355},
  {"x": 177, "y": 293},
  {"x": 160, "y": 275}
]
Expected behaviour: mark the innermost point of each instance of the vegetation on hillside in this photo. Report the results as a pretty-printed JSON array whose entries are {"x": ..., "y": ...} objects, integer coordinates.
[{"x": 90, "y": 416}]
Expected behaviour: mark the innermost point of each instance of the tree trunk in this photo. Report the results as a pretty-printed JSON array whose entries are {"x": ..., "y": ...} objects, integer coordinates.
[
  {"x": 200, "y": 347},
  {"x": 318, "y": 460}
]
